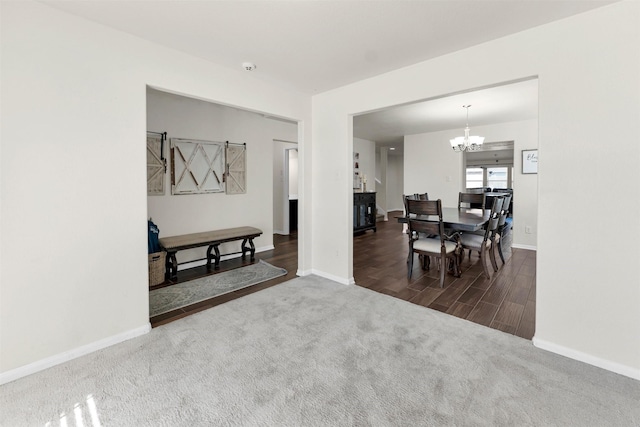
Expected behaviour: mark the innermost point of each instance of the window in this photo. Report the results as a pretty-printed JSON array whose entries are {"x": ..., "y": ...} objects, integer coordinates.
[
  {"x": 475, "y": 178},
  {"x": 498, "y": 177},
  {"x": 489, "y": 176}
]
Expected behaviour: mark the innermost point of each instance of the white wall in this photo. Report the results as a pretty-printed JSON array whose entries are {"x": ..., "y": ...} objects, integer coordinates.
[
  {"x": 431, "y": 166},
  {"x": 367, "y": 163},
  {"x": 395, "y": 182},
  {"x": 74, "y": 205},
  {"x": 589, "y": 94},
  {"x": 183, "y": 117}
]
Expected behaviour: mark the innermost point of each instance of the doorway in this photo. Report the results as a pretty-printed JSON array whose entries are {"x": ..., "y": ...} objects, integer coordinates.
[
  {"x": 285, "y": 187},
  {"x": 429, "y": 165},
  {"x": 291, "y": 183}
]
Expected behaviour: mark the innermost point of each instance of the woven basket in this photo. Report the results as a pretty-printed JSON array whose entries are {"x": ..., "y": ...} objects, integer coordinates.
[{"x": 156, "y": 268}]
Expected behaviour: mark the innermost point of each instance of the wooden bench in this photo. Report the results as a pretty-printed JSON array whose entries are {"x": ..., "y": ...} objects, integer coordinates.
[{"x": 212, "y": 239}]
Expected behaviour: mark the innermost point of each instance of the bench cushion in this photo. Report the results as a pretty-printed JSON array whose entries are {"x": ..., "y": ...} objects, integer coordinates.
[{"x": 194, "y": 240}]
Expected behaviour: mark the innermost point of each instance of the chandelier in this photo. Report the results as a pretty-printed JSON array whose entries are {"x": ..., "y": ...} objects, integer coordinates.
[{"x": 466, "y": 142}]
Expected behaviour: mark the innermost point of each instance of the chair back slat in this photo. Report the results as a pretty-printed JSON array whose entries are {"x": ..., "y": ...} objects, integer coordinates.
[
  {"x": 505, "y": 211},
  {"x": 494, "y": 218},
  {"x": 425, "y": 207},
  {"x": 496, "y": 207},
  {"x": 416, "y": 196},
  {"x": 474, "y": 200},
  {"x": 492, "y": 225},
  {"x": 475, "y": 190},
  {"x": 426, "y": 227},
  {"x": 506, "y": 203}
]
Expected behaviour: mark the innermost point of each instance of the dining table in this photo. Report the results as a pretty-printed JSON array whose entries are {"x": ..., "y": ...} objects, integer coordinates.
[{"x": 462, "y": 219}]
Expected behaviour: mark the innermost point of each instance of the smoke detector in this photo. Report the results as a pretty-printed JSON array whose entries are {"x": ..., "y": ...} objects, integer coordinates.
[{"x": 249, "y": 66}]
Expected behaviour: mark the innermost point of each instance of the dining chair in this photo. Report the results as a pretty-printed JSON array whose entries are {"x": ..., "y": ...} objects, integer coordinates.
[
  {"x": 473, "y": 200},
  {"x": 506, "y": 190},
  {"x": 427, "y": 238},
  {"x": 483, "y": 243},
  {"x": 415, "y": 196},
  {"x": 503, "y": 225},
  {"x": 475, "y": 190}
]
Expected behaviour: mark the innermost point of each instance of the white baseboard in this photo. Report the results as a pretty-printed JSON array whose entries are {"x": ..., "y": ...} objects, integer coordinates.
[
  {"x": 201, "y": 262},
  {"x": 529, "y": 247},
  {"x": 329, "y": 276},
  {"x": 627, "y": 371},
  {"x": 340, "y": 280},
  {"x": 49, "y": 362},
  {"x": 281, "y": 232}
]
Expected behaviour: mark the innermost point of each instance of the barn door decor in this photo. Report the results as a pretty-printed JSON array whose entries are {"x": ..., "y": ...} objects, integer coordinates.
[
  {"x": 236, "y": 173},
  {"x": 156, "y": 163},
  {"x": 197, "y": 167}
]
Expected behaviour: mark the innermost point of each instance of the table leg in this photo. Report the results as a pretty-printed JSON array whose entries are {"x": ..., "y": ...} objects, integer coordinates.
[
  {"x": 244, "y": 248},
  {"x": 215, "y": 248},
  {"x": 171, "y": 266},
  {"x": 209, "y": 257},
  {"x": 253, "y": 250}
]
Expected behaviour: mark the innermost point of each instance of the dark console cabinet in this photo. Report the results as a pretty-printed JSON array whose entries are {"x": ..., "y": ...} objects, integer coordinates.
[{"x": 364, "y": 211}]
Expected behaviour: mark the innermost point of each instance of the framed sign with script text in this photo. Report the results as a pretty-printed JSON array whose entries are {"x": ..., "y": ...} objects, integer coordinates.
[{"x": 529, "y": 161}]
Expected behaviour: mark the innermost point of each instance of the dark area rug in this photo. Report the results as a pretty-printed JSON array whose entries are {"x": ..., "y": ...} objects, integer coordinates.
[{"x": 183, "y": 294}]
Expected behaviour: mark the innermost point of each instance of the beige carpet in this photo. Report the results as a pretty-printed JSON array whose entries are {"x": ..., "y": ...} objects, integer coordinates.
[{"x": 310, "y": 352}]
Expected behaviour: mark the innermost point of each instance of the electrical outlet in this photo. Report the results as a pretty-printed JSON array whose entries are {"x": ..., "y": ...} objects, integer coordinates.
[{"x": 527, "y": 229}]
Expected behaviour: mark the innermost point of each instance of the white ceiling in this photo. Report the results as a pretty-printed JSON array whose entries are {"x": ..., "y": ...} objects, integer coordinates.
[
  {"x": 500, "y": 104},
  {"x": 315, "y": 46}
]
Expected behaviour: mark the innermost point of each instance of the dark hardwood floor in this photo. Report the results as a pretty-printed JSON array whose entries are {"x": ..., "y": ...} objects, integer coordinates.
[{"x": 506, "y": 301}]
